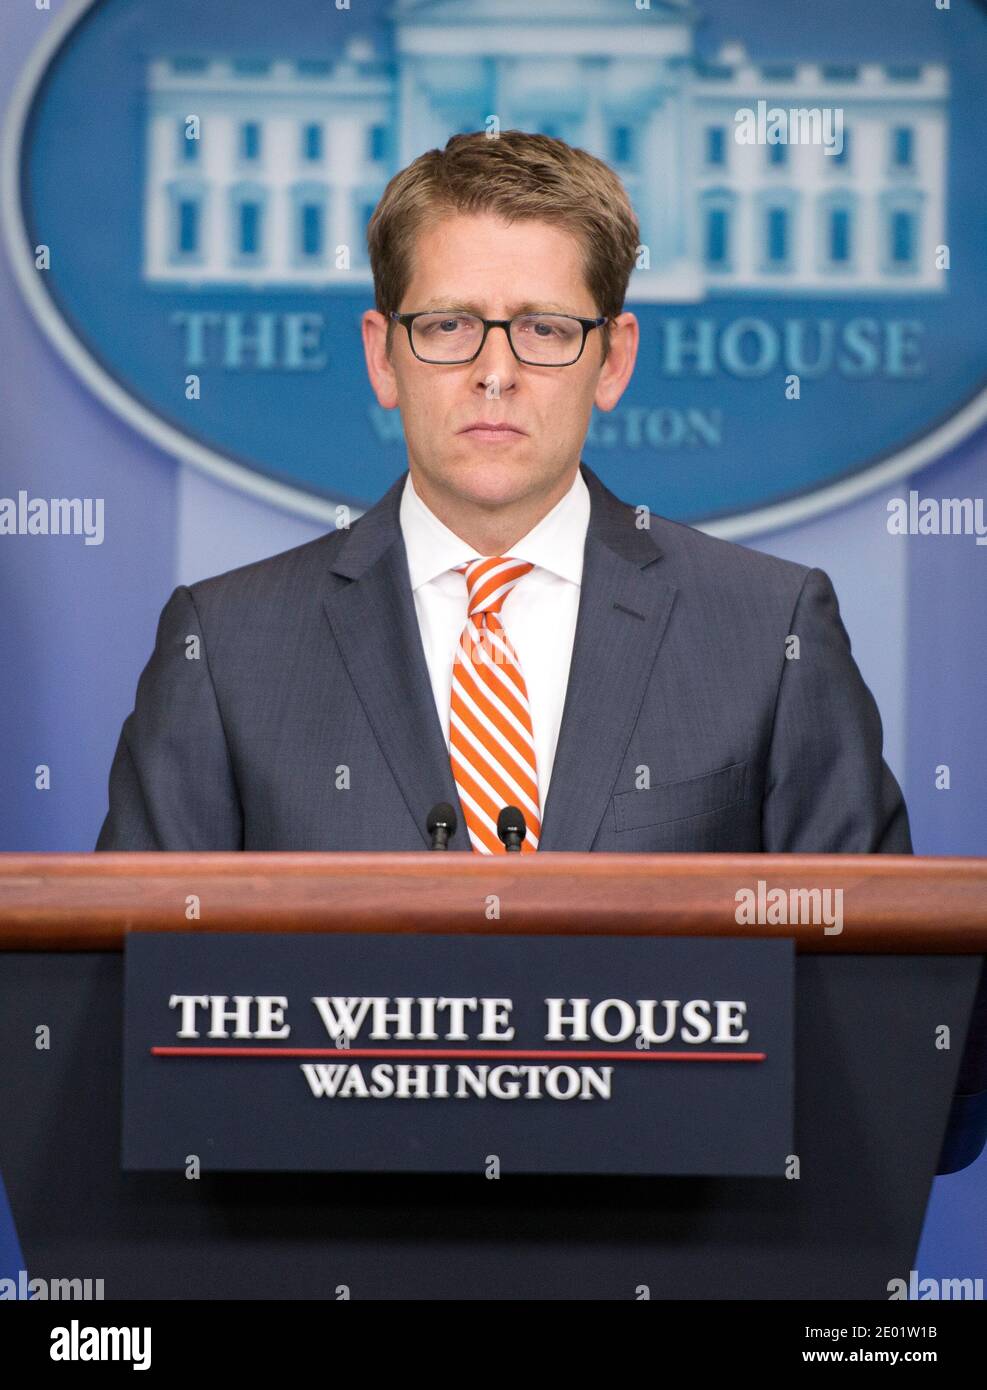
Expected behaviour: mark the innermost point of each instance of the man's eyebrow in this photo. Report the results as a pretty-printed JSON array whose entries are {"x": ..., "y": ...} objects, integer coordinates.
[{"x": 532, "y": 306}]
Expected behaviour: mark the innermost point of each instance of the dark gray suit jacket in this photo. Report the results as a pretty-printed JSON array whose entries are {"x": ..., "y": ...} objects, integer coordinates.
[{"x": 306, "y": 721}]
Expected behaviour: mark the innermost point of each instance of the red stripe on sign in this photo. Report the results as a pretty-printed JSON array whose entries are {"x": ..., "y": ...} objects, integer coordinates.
[{"x": 602, "y": 1056}]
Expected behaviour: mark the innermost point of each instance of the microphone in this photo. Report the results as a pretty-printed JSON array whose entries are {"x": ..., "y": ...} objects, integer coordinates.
[
  {"x": 511, "y": 828},
  {"x": 441, "y": 824}
]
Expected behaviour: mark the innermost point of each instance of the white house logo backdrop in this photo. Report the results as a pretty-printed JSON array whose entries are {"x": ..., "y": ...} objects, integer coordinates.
[{"x": 187, "y": 186}]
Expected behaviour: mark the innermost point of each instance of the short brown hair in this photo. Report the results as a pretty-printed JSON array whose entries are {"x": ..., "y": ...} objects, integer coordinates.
[{"x": 519, "y": 176}]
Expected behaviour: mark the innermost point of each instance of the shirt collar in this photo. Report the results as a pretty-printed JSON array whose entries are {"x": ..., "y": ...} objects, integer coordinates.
[{"x": 556, "y": 543}]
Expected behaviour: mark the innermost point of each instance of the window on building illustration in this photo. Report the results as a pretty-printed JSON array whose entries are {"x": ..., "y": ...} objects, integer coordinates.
[
  {"x": 717, "y": 236},
  {"x": 188, "y": 227},
  {"x": 249, "y": 228},
  {"x": 250, "y": 140},
  {"x": 841, "y": 158},
  {"x": 716, "y": 145},
  {"x": 902, "y": 232},
  {"x": 777, "y": 155},
  {"x": 903, "y": 147},
  {"x": 251, "y": 67},
  {"x": 312, "y": 141},
  {"x": 377, "y": 142},
  {"x": 189, "y": 148},
  {"x": 367, "y": 213},
  {"x": 778, "y": 236},
  {"x": 839, "y": 236},
  {"x": 311, "y": 229},
  {"x": 621, "y": 144}
]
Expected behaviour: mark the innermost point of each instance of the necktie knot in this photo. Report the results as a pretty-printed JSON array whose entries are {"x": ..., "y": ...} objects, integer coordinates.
[{"x": 490, "y": 579}]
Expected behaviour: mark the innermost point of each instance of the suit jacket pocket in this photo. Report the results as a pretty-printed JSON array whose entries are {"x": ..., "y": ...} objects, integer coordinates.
[{"x": 668, "y": 801}]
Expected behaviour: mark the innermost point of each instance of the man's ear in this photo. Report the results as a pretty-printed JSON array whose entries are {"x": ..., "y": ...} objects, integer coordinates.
[
  {"x": 616, "y": 370},
  {"x": 380, "y": 368}
]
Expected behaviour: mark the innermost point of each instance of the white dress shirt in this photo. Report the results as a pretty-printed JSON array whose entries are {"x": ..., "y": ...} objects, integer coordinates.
[{"x": 539, "y": 614}]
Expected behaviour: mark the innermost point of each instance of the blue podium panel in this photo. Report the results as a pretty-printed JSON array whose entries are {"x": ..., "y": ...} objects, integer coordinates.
[{"x": 444, "y": 1053}]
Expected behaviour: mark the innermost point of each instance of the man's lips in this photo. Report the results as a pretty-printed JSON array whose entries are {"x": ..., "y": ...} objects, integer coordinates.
[{"x": 490, "y": 430}]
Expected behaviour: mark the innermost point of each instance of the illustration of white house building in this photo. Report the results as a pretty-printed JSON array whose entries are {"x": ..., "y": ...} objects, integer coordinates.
[{"x": 274, "y": 180}]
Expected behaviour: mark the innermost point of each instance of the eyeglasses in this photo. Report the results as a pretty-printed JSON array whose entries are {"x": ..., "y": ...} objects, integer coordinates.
[{"x": 447, "y": 336}]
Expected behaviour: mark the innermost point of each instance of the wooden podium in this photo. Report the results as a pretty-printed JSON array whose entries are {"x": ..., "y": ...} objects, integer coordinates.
[{"x": 874, "y": 1092}]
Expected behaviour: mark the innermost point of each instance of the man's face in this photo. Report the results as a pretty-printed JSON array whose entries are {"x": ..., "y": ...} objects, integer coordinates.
[{"x": 482, "y": 264}]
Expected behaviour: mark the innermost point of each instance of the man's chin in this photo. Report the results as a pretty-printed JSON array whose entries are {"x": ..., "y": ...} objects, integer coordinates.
[
  {"x": 492, "y": 486},
  {"x": 481, "y": 476}
]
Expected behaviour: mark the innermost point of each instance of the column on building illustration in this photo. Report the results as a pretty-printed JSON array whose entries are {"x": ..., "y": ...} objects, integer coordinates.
[
  {"x": 660, "y": 201},
  {"x": 595, "y": 134}
]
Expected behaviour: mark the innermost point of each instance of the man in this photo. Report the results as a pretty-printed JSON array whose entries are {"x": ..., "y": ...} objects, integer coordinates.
[{"x": 501, "y": 630}]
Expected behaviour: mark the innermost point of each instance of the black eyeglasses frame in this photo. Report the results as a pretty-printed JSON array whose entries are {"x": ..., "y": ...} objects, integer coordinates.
[{"x": 407, "y": 320}]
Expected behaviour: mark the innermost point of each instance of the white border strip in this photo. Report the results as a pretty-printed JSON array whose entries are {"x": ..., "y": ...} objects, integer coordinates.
[{"x": 292, "y": 499}]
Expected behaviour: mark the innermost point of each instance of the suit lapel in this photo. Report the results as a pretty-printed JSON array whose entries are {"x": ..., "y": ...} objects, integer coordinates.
[
  {"x": 623, "y": 610},
  {"x": 376, "y": 628}
]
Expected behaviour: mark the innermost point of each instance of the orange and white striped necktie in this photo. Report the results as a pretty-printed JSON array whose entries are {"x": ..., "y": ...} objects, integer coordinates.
[{"x": 490, "y": 738}]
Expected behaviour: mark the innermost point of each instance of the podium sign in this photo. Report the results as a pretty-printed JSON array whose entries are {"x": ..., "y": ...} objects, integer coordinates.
[{"x": 458, "y": 1053}]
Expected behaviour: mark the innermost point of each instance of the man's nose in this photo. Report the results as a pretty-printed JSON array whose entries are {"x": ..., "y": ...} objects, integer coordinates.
[{"x": 497, "y": 359}]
